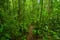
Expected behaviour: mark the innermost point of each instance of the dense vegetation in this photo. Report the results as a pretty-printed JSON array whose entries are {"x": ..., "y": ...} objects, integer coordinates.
[{"x": 29, "y": 19}]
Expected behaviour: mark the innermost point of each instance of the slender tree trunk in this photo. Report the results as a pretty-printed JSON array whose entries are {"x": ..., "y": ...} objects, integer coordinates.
[
  {"x": 49, "y": 11},
  {"x": 19, "y": 7},
  {"x": 41, "y": 1},
  {"x": 19, "y": 1},
  {"x": 49, "y": 7}
]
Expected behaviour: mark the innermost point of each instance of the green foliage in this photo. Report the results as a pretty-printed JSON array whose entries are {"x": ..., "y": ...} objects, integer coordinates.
[{"x": 14, "y": 22}]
